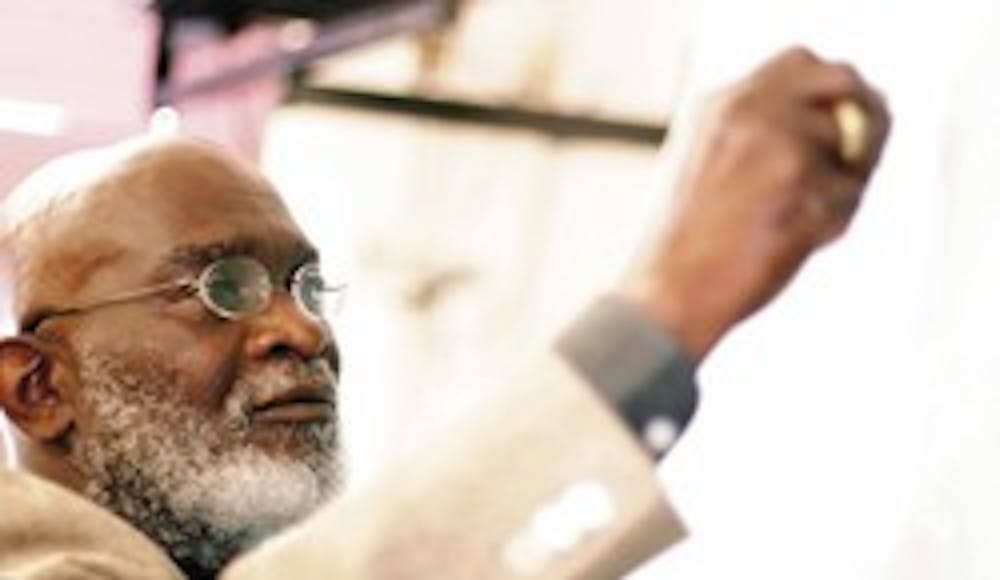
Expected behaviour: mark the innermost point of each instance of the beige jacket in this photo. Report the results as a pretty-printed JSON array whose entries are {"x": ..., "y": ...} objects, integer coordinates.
[{"x": 544, "y": 483}]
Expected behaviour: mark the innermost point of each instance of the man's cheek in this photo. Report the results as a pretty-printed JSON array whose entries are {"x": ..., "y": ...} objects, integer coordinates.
[{"x": 204, "y": 370}]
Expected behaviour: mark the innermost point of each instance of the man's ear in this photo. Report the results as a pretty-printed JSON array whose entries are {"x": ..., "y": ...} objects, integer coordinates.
[{"x": 29, "y": 389}]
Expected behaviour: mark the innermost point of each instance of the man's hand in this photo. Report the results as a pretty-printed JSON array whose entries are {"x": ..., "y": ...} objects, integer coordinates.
[{"x": 765, "y": 186}]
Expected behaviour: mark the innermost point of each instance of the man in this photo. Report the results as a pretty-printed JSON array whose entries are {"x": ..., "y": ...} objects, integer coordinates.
[
  {"x": 231, "y": 436},
  {"x": 173, "y": 366}
]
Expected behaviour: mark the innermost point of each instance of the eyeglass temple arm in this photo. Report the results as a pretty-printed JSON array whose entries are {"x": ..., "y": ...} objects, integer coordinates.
[{"x": 126, "y": 297}]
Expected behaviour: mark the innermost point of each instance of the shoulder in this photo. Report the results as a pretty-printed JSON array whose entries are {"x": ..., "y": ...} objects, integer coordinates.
[{"x": 48, "y": 531}]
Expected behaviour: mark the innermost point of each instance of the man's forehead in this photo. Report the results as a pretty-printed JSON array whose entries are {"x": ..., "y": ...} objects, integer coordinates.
[
  {"x": 158, "y": 199},
  {"x": 194, "y": 176}
]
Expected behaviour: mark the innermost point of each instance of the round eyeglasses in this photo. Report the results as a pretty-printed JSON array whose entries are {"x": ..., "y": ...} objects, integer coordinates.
[
  {"x": 234, "y": 287},
  {"x": 241, "y": 286}
]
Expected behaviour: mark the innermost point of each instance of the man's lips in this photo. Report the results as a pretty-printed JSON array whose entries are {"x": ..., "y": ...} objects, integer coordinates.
[
  {"x": 305, "y": 412},
  {"x": 301, "y": 404}
]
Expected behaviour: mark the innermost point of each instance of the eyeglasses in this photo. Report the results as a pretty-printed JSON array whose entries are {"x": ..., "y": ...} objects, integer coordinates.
[{"x": 232, "y": 288}]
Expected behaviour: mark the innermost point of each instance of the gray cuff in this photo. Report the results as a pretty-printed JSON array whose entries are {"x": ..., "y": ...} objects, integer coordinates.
[{"x": 637, "y": 367}]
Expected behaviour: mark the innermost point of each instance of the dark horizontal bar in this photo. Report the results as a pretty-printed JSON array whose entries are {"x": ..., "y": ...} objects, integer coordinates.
[
  {"x": 339, "y": 35},
  {"x": 556, "y": 125}
]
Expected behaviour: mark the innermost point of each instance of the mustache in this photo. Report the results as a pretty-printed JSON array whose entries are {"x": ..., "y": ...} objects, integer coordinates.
[{"x": 267, "y": 381}]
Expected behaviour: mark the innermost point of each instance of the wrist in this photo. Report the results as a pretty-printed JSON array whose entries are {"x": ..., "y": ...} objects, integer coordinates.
[
  {"x": 641, "y": 371},
  {"x": 681, "y": 317}
]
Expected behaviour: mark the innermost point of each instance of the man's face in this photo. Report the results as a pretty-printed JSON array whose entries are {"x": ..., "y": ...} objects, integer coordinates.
[{"x": 206, "y": 433}]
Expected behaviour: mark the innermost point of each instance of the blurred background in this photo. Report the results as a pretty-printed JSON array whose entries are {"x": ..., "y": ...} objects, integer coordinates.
[{"x": 478, "y": 169}]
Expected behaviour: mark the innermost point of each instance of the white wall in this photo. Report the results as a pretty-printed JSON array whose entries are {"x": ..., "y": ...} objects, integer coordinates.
[
  {"x": 516, "y": 224},
  {"x": 464, "y": 248}
]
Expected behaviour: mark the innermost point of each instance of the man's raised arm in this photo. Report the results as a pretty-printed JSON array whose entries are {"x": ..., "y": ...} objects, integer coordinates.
[{"x": 554, "y": 479}]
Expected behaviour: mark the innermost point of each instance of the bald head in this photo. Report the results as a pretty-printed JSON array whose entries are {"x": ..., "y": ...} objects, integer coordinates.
[
  {"x": 90, "y": 209},
  {"x": 142, "y": 165}
]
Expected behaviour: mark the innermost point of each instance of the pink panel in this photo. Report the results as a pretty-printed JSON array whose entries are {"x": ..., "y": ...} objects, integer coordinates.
[
  {"x": 235, "y": 115},
  {"x": 93, "y": 58}
]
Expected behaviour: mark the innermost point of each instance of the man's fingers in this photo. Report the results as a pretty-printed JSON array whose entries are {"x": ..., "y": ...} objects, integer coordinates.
[
  {"x": 766, "y": 186},
  {"x": 805, "y": 75},
  {"x": 791, "y": 59},
  {"x": 840, "y": 86},
  {"x": 879, "y": 124},
  {"x": 830, "y": 206},
  {"x": 811, "y": 91},
  {"x": 819, "y": 125},
  {"x": 830, "y": 82}
]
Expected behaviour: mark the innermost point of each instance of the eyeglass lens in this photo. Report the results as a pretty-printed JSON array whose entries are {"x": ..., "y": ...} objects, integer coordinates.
[
  {"x": 235, "y": 287},
  {"x": 239, "y": 286}
]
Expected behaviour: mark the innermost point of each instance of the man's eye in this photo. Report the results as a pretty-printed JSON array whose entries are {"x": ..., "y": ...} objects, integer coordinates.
[
  {"x": 312, "y": 294},
  {"x": 225, "y": 292},
  {"x": 310, "y": 288}
]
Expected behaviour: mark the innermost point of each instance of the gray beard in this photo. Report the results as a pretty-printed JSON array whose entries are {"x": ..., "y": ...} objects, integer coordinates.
[{"x": 197, "y": 488}]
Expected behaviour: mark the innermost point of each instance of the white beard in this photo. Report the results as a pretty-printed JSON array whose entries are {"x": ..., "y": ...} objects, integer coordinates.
[{"x": 197, "y": 488}]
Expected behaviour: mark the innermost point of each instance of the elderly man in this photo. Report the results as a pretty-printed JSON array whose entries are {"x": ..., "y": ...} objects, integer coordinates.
[{"x": 174, "y": 368}]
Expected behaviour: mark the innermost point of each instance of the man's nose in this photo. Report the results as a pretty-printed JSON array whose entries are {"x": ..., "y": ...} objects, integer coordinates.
[{"x": 283, "y": 328}]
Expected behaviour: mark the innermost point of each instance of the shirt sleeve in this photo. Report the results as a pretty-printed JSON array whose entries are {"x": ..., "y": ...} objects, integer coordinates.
[{"x": 638, "y": 368}]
